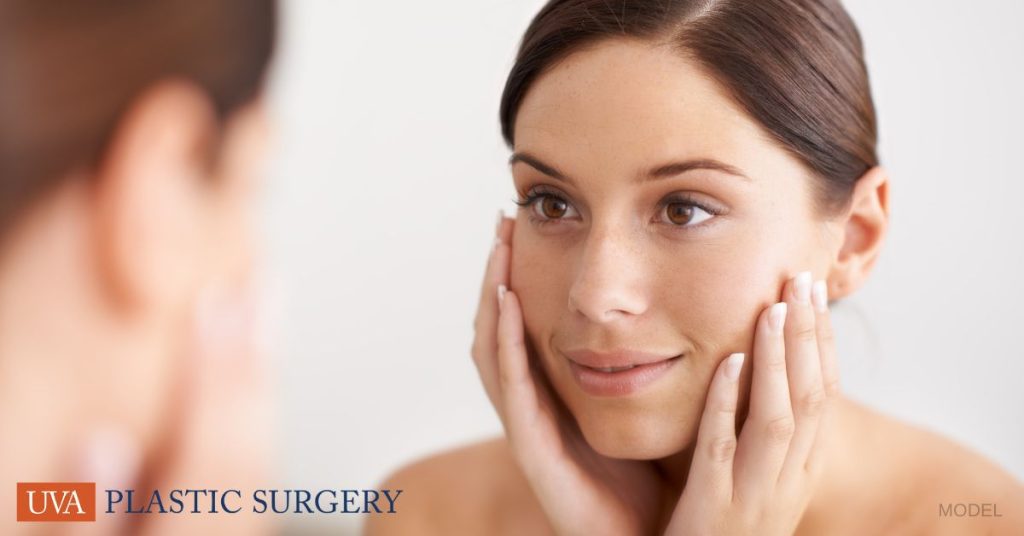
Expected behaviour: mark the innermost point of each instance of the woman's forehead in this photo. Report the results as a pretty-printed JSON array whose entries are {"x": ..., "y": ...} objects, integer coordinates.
[
  {"x": 634, "y": 101},
  {"x": 625, "y": 105}
]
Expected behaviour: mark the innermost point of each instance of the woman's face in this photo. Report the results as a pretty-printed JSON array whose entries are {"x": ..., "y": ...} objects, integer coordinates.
[{"x": 661, "y": 221}]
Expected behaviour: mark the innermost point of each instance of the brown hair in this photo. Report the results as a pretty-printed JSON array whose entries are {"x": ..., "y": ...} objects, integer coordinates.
[
  {"x": 796, "y": 66},
  {"x": 68, "y": 70}
]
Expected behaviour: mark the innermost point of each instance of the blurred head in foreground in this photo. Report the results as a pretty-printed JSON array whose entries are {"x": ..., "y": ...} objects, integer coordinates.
[{"x": 130, "y": 140}]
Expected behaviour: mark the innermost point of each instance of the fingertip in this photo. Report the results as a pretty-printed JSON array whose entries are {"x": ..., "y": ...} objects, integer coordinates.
[
  {"x": 510, "y": 328},
  {"x": 510, "y": 307},
  {"x": 800, "y": 290},
  {"x": 110, "y": 456},
  {"x": 733, "y": 365},
  {"x": 777, "y": 316},
  {"x": 511, "y": 343},
  {"x": 505, "y": 226},
  {"x": 819, "y": 296}
]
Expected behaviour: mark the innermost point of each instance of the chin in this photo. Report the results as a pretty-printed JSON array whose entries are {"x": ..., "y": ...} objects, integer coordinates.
[{"x": 636, "y": 435}]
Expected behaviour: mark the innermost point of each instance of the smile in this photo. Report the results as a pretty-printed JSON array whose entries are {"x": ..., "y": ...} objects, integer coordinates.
[{"x": 619, "y": 373}]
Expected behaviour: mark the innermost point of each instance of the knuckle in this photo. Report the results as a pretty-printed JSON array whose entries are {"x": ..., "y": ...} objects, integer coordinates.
[
  {"x": 722, "y": 449},
  {"x": 507, "y": 375},
  {"x": 832, "y": 387},
  {"x": 825, "y": 335},
  {"x": 780, "y": 429},
  {"x": 805, "y": 333},
  {"x": 477, "y": 350},
  {"x": 725, "y": 408},
  {"x": 515, "y": 346},
  {"x": 504, "y": 377},
  {"x": 812, "y": 403},
  {"x": 776, "y": 364}
]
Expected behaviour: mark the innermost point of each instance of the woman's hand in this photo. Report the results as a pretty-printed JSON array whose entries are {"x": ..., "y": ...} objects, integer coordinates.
[
  {"x": 219, "y": 436},
  {"x": 581, "y": 491},
  {"x": 762, "y": 483}
]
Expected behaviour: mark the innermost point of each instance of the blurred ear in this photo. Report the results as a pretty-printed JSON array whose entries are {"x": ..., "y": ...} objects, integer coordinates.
[
  {"x": 864, "y": 226},
  {"x": 151, "y": 197}
]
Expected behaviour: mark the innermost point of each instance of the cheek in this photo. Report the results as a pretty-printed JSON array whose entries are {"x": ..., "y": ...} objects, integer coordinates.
[
  {"x": 539, "y": 276},
  {"x": 716, "y": 293}
]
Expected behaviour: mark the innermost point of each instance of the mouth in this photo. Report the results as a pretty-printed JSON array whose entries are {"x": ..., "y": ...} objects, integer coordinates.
[{"x": 617, "y": 374}]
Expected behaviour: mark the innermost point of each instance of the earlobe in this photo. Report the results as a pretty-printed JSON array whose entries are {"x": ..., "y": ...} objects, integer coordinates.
[
  {"x": 864, "y": 225},
  {"x": 148, "y": 196}
]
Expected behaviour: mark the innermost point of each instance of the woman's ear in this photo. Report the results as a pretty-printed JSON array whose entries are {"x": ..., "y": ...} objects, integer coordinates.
[
  {"x": 862, "y": 231},
  {"x": 152, "y": 197}
]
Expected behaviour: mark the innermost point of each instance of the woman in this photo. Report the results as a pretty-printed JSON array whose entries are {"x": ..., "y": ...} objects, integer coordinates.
[
  {"x": 696, "y": 178},
  {"x": 130, "y": 132}
]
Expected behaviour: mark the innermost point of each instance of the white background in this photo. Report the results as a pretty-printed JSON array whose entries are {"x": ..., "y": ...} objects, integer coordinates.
[{"x": 389, "y": 170}]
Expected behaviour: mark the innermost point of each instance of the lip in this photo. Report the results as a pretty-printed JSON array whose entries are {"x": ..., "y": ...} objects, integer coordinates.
[{"x": 646, "y": 368}]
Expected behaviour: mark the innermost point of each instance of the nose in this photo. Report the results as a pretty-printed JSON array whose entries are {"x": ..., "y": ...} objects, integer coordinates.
[{"x": 609, "y": 279}]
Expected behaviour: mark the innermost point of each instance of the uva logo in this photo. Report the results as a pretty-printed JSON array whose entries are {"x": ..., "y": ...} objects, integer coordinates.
[{"x": 56, "y": 501}]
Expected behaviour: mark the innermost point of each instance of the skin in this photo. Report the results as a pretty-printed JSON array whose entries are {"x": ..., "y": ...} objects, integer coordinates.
[
  {"x": 125, "y": 317},
  {"x": 778, "y": 451}
]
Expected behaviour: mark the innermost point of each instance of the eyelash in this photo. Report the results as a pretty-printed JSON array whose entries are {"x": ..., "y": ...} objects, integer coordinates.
[{"x": 540, "y": 193}]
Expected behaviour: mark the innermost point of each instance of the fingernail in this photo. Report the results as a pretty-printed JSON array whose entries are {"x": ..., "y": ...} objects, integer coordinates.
[
  {"x": 109, "y": 457},
  {"x": 802, "y": 287},
  {"x": 501, "y": 294},
  {"x": 211, "y": 328},
  {"x": 820, "y": 294},
  {"x": 501, "y": 218},
  {"x": 223, "y": 319},
  {"x": 497, "y": 243},
  {"x": 733, "y": 364},
  {"x": 777, "y": 316}
]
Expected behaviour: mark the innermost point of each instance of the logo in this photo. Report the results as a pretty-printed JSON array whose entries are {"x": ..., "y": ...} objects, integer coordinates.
[
  {"x": 56, "y": 501},
  {"x": 76, "y": 501}
]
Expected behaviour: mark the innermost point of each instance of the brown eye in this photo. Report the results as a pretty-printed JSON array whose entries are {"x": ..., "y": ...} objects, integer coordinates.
[
  {"x": 547, "y": 207},
  {"x": 685, "y": 214},
  {"x": 553, "y": 208},
  {"x": 680, "y": 213}
]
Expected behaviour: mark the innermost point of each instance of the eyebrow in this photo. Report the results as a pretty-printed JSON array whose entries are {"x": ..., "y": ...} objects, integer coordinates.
[{"x": 662, "y": 171}]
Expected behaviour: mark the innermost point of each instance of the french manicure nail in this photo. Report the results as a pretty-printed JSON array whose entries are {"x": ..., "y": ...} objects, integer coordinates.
[
  {"x": 501, "y": 218},
  {"x": 497, "y": 242},
  {"x": 777, "y": 316},
  {"x": 215, "y": 320},
  {"x": 802, "y": 287},
  {"x": 109, "y": 457},
  {"x": 820, "y": 294},
  {"x": 501, "y": 294},
  {"x": 733, "y": 364}
]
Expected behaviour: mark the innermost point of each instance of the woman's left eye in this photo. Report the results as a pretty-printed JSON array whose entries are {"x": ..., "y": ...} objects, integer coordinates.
[{"x": 685, "y": 213}]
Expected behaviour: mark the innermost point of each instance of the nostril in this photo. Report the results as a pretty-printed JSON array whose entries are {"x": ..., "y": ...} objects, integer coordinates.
[{"x": 606, "y": 304}]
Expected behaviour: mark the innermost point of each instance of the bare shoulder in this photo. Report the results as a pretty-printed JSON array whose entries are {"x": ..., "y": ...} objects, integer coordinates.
[
  {"x": 970, "y": 493},
  {"x": 950, "y": 488},
  {"x": 473, "y": 489}
]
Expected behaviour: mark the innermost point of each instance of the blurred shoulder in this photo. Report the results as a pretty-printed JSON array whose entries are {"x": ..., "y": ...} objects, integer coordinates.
[
  {"x": 953, "y": 489},
  {"x": 969, "y": 492},
  {"x": 473, "y": 489}
]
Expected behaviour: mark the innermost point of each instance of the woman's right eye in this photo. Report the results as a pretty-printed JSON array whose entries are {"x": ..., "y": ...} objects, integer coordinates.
[{"x": 547, "y": 207}]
